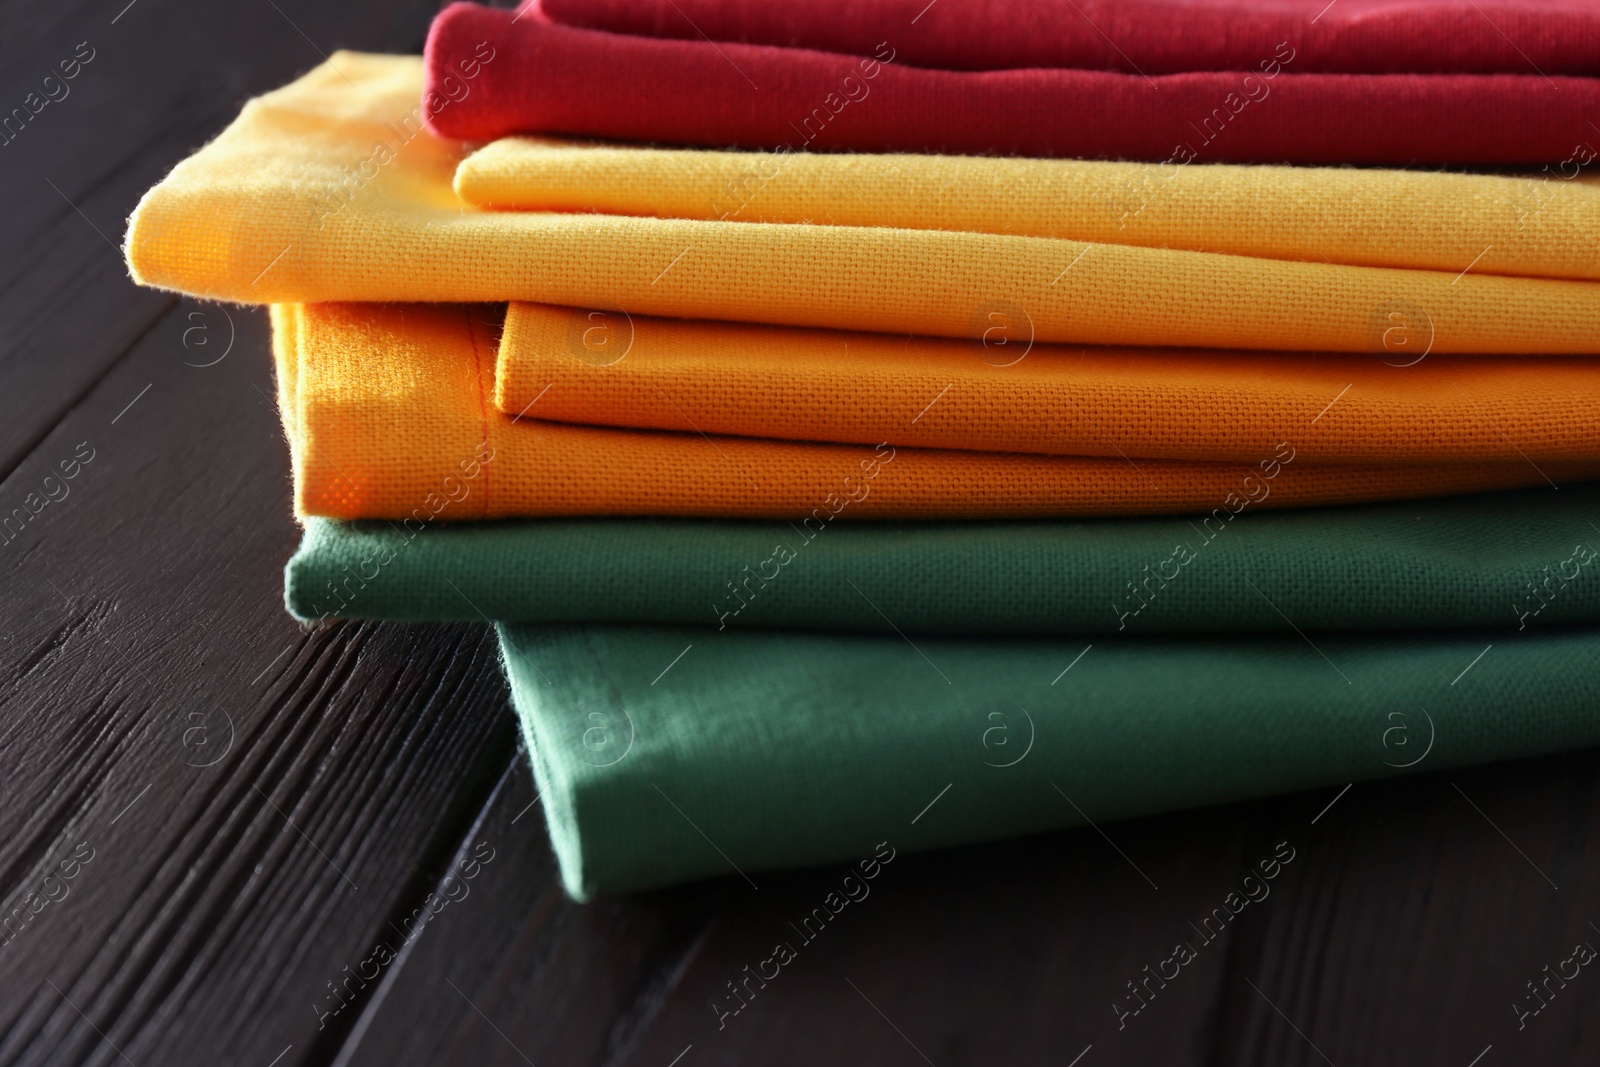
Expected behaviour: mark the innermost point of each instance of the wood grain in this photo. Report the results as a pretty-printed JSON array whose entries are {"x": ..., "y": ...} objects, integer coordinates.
[{"x": 145, "y": 629}]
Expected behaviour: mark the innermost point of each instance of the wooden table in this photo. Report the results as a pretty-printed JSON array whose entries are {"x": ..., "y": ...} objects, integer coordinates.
[{"x": 212, "y": 818}]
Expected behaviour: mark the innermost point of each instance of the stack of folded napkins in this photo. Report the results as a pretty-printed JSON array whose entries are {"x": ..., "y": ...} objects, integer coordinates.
[{"x": 852, "y": 450}]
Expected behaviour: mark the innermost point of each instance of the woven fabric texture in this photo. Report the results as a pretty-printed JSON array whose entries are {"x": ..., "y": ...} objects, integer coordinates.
[
  {"x": 1139, "y": 36},
  {"x": 319, "y": 193},
  {"x": 389, "y": 411},
  {"x": 610, "y": 369},
  {"x": 1535, "y": 225},
  {"x": 552, "y": 78},
  {"x": 1518, "y": 561},
  {"x": 787, "y": 749}
]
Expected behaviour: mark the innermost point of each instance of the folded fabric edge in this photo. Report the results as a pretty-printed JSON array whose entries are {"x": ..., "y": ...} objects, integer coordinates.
[{"x": 557, "y": 794}]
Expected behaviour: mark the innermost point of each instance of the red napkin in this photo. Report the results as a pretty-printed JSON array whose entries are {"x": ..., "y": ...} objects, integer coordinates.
[
  {"x": 491, "y": 73},
  {"x": 1153, "y": 36}
]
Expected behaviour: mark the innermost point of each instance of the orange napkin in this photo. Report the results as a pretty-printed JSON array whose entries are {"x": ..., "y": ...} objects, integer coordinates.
[
  {"x": 612, "y": 369},
  {"x": 390, "y": 413}
]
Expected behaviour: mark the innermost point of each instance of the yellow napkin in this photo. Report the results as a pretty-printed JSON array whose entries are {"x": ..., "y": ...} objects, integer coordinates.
[
  {"x": 327, "y": 190},
  {"x": 1542, "y": 225}
]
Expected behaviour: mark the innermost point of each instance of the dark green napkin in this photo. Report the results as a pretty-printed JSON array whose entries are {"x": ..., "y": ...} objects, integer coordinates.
[
  {"x": 1514, "y": 559},
  {"x": 665, "y": 754}
]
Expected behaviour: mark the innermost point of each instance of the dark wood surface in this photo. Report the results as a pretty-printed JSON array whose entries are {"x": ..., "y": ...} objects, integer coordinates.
[{"x": 248, "y": 810}]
